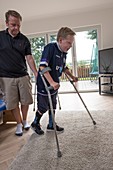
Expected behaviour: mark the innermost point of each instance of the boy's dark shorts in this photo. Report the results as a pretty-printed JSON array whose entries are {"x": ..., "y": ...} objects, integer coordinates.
[{"x": 43, "y": 102}]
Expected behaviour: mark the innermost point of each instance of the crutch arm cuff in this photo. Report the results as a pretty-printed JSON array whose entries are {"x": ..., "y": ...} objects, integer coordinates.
[{"x": 46, "y": 69}]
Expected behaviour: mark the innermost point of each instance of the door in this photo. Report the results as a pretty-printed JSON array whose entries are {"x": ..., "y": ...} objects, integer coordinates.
[{"x": 87, "y": 60}]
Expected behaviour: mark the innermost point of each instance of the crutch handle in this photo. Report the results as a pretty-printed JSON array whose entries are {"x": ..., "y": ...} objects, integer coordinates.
[{"x": 50, "y": 88}]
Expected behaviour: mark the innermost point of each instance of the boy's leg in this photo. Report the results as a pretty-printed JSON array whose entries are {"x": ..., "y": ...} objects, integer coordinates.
[
  {"x": 50, "y": 125},
  {"x": 42, "y": 108},
  {"x": 37, "y": 117},
  {"x": 54, "y": 103},
  {"x": 36, "y": 124},
  {"x": 50, "y": 118}
]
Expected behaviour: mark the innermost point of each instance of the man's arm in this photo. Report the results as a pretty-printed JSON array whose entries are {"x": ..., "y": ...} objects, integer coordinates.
[{"x": 31, "y": 63}]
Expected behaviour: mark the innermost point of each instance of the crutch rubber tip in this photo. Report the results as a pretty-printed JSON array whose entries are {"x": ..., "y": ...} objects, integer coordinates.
[
  {"x": 94, "y": 122},
  {"x": 33, "y": 109},
  {"x": 59, "y": 154}
]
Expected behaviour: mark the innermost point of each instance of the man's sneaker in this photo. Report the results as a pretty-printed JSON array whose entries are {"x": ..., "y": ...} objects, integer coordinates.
[
  {"x": 26, "y": 125},
  {"x": 19, "y": 131},
  {"x": 58, "y": 128},
  {"x": 37, "y": 128}
]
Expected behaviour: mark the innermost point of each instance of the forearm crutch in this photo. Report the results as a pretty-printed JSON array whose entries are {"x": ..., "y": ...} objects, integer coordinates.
[
  {"x": 59, "y": 154},
  {"x": 81, "y": 98},
  {"x": 59, "y": 102}
]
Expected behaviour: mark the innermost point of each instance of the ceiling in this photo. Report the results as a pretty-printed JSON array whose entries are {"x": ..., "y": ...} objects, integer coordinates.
[{"x": 50, "y": 8}]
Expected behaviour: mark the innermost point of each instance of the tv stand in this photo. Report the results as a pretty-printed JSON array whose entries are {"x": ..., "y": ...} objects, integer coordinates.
[{"x": 108, "y": 84}]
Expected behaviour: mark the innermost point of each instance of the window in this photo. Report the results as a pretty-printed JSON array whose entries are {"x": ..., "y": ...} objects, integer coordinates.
[{"x": 37, "y": 46}]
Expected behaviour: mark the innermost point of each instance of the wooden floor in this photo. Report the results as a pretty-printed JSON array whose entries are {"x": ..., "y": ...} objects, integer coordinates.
[{"x": 10, "y": 144}]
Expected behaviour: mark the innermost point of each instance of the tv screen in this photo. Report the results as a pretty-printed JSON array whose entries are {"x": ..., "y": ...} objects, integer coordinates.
[{"x": 106, "y": 61}]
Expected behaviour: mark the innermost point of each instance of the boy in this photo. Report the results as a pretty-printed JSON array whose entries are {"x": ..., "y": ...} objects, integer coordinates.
[{"x": 54, "y": 58}]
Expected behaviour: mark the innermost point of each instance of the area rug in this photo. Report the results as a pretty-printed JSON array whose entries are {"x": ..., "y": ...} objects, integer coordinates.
[{"x": 83, "y": 145}]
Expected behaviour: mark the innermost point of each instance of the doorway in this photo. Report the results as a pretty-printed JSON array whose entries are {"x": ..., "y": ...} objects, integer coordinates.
[{"x": 86, "y": 60}]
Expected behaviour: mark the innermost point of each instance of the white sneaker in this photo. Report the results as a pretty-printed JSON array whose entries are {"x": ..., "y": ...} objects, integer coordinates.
[
  {"x": 26, "y": 125},
  {"x": 19, "y": 131}
]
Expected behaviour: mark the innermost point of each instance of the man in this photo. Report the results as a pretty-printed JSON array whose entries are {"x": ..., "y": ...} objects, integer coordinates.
[
  {"x": 54, "y": 58},
  {"x": 15, "y": 50}
]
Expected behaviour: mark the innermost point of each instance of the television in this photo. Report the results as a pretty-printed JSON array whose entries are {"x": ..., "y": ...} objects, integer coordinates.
[{"x": 105, "y": 61}]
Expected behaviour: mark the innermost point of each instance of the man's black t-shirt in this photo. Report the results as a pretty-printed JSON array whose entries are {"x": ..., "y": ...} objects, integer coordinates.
[{"x": 12, "y": 54}]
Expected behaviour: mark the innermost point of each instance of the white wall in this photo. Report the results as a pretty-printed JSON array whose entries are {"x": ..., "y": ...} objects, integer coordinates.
[
  {"x": 1, "y": 27},
  {"x": 101, "y": 18}
]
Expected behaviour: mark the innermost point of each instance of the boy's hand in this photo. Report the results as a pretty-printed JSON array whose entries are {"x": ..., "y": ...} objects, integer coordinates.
[
  {"x": 55, "y": 85},
  {"x": 75, "y": 79}
]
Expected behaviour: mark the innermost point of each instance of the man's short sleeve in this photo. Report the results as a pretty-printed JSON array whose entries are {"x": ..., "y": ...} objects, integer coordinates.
[{"x": 27, "y": 47}]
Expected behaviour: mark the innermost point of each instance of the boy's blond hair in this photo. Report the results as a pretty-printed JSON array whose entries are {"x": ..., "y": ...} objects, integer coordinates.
[{"x": 64, "y": 32}]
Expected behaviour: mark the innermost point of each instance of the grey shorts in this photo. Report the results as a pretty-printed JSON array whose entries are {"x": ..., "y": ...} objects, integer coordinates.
[{"x": 16, "y": 90}]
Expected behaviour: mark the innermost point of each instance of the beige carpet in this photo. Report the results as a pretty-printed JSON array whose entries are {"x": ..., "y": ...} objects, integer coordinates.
[{"x": 83, "y": 146}]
